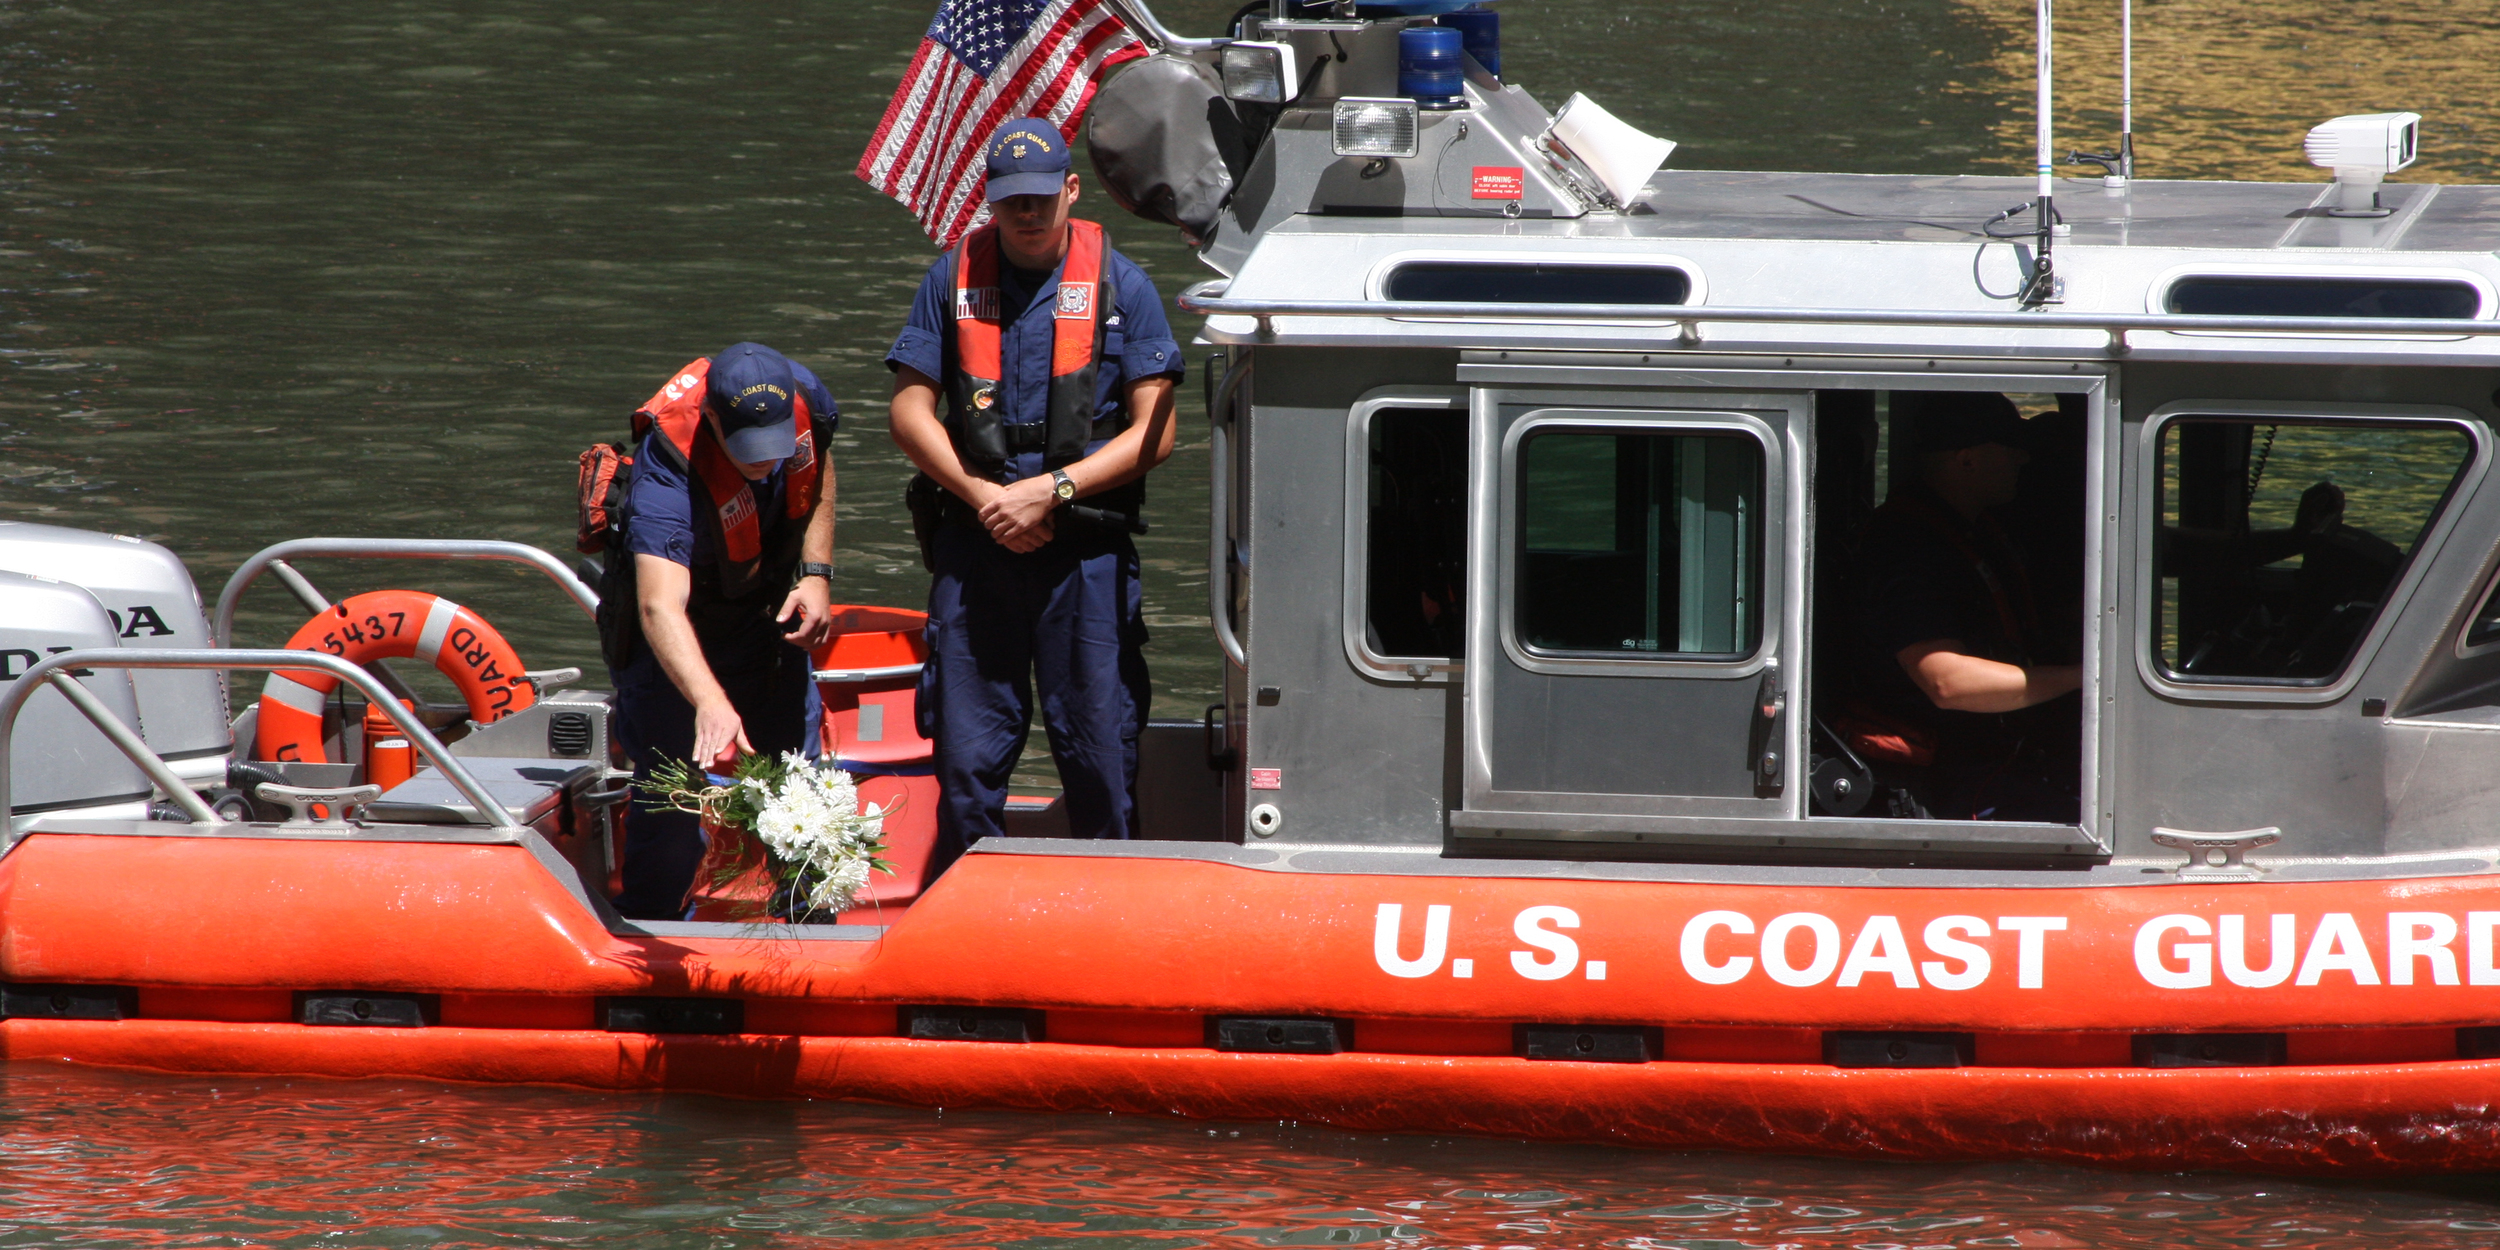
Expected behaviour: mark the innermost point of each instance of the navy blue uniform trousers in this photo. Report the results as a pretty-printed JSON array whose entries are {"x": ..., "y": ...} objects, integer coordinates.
[
  {"x": 776, "y": 701},
  {"x": 1068, "y": 618}
]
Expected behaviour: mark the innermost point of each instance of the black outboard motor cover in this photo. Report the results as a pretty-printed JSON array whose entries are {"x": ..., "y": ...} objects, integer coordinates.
[{"x": 1167, "y": 144}]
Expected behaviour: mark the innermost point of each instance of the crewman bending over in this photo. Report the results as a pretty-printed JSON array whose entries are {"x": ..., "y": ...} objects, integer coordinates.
[
  {"x": 1948, "y": 630},
  {"x": 728, "y": 558}
]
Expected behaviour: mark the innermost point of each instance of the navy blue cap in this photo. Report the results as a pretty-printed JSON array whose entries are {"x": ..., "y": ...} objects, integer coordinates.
[
  {"x": 750, "y": 388},
  {"x": 1954, "y": 420},
  {"x": 1027, "y": 157}
]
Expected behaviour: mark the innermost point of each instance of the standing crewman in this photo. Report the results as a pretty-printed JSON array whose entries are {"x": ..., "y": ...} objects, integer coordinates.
[
  {"x": 1033, "y": 388},
  {"x": 727, "y": 563}
]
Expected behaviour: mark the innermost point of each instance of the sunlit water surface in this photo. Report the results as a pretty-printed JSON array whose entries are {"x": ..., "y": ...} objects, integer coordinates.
[
  {"x": 91, "y": 1158},
  {"x": 383, "y": 266}
]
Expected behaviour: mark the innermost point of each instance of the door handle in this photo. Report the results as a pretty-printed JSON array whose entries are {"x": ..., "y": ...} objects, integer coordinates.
[
  {"x": 1219, "y": 731},
  {"x": 1770, "y": 710}
]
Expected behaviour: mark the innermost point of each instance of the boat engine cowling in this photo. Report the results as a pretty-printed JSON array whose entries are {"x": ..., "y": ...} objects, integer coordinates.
[
  {"x": 149, "y": 600},
  {"x": 59, "y": 762}
]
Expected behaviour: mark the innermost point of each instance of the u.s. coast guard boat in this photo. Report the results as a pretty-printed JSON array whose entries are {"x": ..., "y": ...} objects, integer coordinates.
[{"x": 1532, "y": 805}]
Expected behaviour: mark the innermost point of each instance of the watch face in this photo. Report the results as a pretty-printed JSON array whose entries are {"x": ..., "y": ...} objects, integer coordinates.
[{"x": 1065, "y": 489}]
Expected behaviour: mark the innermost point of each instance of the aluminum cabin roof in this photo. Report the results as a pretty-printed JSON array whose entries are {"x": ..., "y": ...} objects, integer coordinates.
[
  {"x": 1901, "y": 242},
  {"x": 1915, "y": 208},
  {"x": 1715, "y": 204}
]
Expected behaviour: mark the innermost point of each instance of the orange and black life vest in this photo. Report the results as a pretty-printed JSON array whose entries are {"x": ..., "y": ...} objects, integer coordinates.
[
  {"x": 756, "y": 553},
  {"x": 1080, "y": 319}
]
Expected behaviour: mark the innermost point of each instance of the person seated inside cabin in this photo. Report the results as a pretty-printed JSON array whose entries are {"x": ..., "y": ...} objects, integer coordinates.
[
  {"x": 1962, "y": 700},
  {"x": 2301, "y": 627}
]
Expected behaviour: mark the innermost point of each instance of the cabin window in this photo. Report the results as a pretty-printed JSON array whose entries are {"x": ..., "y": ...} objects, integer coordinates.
[
  {"x": 1639, "y": 543},
  {"x": 1480, "y": 282},
  {"x": 2279, "y": 540},
  {"x": 1415, "y": 575},
  {"x": 2486, "y": 626},
  {"x": 2290, "y": 296}
]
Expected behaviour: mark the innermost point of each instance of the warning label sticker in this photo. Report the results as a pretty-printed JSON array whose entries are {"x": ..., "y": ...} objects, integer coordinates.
[{"x": 1499, "y": 182}]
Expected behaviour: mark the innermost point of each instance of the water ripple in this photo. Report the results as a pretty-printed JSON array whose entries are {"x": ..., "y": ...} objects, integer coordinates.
[{"x": 89, "y": 1157}]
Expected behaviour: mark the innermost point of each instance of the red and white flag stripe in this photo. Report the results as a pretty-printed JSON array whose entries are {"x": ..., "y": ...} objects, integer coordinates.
[{"x": 926, "y": 152}]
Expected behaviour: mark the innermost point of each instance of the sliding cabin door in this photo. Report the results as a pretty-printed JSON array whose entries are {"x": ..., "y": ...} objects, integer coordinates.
[{"x": 1634, "y": 612}]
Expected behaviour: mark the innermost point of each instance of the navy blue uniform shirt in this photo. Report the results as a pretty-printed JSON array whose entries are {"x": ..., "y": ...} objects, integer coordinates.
[{"x": 1137, "y": 343}]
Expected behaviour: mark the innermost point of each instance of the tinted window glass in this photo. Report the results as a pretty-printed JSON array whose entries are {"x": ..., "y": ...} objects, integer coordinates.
[
  {"x": 2279, "y": 541},
  {"x": 1415, "y": 588},
  {"x": 1639, "y": 543},
  {"x": 2324, "y": 297},
  {"x": 1476, "y": 282}
]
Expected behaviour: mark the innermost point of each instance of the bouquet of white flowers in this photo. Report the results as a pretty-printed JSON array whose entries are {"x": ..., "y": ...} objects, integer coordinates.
[{"x": 818, "y": 841}]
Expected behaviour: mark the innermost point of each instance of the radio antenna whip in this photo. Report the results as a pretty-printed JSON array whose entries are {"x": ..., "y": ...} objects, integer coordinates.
[
  {"x": 2042, "y": 288},
  {"x": 2126, "y": 89}
]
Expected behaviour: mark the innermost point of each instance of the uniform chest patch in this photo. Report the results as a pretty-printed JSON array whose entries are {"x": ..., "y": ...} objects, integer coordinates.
[
  {"x": 980, "y": 303},
  {"x": 1076, "y": 300},
  {"x": 737, "y": 510}
]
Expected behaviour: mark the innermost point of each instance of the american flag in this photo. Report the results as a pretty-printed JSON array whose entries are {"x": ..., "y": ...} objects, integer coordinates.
[{"x": 985, "y": 63}]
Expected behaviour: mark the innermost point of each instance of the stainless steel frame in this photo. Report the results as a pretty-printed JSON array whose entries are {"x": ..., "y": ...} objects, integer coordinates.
[
  {"x": 1148, "y": 27},
  {"x": 55, "y": 670},
  {"x": 2465, "y": 628},
  {"x": 1356, "y": 619},
  {"x": 1784, "y": 626},
  {"x": 1565, "y": 370},
  {"x": 1697, "y": 294},
  {"x": 2157, "y": 293},
  {"x": 1219, "y": 511},
  {"x": 1207, "y": 298},
  {"x": 1712, "y": 419},
  {"x": 2147, "y": 458},
  {"x": 894, "y": 672},
  {"x": 273, "y": 559}
]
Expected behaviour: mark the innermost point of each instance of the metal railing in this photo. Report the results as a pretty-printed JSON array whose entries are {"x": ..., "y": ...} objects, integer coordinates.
[
  {"x": 854, "y": 676},
  {"x": 1209, "y": 299},
  {"x": 273, "y": 560},
  {"x": 1142, "y": 22},
  {"x": 1220, "y": 515},
  {"x": 54, "y": 671}
]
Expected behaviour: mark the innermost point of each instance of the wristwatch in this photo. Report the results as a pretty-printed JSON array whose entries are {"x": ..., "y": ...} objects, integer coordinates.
[
  {"x": 1062, "y": 486},
  {"x": 824, "y": 571}
]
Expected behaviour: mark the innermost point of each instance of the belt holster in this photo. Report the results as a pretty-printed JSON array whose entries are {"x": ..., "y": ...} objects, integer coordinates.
[{"x": 926, "y": 501}]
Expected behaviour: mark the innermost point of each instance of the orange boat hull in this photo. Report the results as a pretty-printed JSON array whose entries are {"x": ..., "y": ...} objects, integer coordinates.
[
  {"x": 2374, "y": 1119},
  {"x": 1124, "y": 957}
]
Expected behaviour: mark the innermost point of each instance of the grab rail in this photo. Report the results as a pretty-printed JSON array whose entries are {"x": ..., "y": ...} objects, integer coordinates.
[
  {"x": 1220, "y": 516},
  {"x": 273, "y": 559},
  {"x": 1142, "y": 22},
  {"x": 51, "y": 671},
  {"x": 1210, "y": 298}
]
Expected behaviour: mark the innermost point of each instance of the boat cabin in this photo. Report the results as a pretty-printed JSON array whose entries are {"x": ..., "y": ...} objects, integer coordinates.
[{"x": 1542, "y": 520}]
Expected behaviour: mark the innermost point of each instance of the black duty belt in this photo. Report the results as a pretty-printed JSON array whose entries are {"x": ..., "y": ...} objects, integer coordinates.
[{"x": 1035, "y": 435}]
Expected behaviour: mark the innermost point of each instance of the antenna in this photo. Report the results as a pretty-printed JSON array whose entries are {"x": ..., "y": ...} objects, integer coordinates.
[
  {"x": 2042, "y": 289},
  {"x": 2126, "y": 93}
]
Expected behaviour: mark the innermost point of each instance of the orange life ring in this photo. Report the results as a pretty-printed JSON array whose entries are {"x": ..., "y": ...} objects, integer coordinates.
[{"x": 388, "y": 625}]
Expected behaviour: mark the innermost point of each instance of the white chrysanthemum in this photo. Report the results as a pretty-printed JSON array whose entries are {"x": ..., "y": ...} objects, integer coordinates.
[{"x": 813, "y": 823}]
